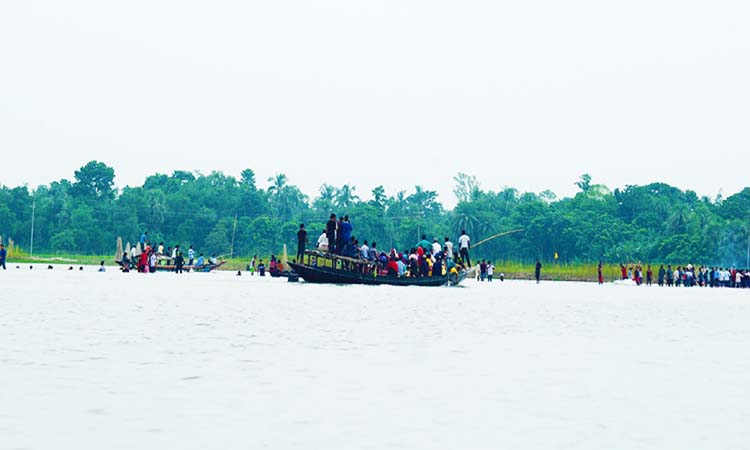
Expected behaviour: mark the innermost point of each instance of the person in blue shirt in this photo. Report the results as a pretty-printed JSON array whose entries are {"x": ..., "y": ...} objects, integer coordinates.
[
  {"x": 3, "y": 254},
  {"x": 144, "y": 239},
  {"x": 200, "y": 261},
  {"x": 346, "y": 230}
]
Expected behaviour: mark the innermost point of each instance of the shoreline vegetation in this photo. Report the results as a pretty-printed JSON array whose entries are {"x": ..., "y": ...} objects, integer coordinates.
[
  {"x": 222, "y": 214},
  {"x": 512, "y": 270}
]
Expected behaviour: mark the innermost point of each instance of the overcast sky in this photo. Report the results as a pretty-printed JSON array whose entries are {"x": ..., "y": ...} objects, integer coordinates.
[{"x": 529, "y": 94}]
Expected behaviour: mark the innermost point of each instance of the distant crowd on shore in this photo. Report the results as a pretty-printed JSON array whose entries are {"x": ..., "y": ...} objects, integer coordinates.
[{"x": 685, "y": 276}]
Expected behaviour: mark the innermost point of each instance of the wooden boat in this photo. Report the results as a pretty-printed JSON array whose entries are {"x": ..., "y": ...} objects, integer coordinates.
[
  {"x": 334, "y": 269},
  {"x": 171, "y": 268}
]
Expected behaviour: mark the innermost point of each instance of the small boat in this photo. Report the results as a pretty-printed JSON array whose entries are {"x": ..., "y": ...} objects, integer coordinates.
[
  {"x": 335, "y": 269},
  {"x": 193, "y": 268}
]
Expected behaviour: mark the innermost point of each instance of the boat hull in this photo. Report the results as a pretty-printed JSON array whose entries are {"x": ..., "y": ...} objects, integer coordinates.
[{"x": 329, "y": 275}]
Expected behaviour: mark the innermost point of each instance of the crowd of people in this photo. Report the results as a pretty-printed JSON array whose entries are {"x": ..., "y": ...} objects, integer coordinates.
[
  {"x": 152, "y": 256},
  {"x": 685, "y": 276},
  {"x": 425, "y": 259}
]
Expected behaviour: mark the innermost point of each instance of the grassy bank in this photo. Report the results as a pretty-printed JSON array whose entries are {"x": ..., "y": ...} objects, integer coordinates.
[
  {"x": 558, "y": 272},
  {"x": 511, "y": 269}
]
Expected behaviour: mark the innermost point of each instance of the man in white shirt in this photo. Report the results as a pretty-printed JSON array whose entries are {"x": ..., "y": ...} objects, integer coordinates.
[
  {"x": 464, "y": 244},
  {"x": 364, "y": 250},
  {"x": 490, "y": 271},
  {"x": 323, "y": 242},
  {"x": 436, "y": 248},
  {"x": 449, "y": 247}
]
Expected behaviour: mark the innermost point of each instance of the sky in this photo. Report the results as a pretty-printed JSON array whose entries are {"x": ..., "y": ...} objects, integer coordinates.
[{"x": 525, "y": 94}]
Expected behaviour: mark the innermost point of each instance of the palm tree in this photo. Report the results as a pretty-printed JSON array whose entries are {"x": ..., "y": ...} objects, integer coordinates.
[
  {"x": 325, "y": 201},
  {"x": 278, "y": 183},
  {"x": 345, "y": 197}
]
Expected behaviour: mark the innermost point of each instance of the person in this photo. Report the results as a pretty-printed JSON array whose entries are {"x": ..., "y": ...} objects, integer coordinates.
[
  {"x": 125, "y": 263},
  {"x": 174, "y": 253},
  {"x": 490, "y": 272},
  {"x": 143, "y": 263},
  {"x": 424, "y": 244},
  {"x": 252, "y": 265},
  {"x": 134, "y": 256},
  {"x": 364, "y": 250},
  {"x": 200, "y": 262},
  {"x": 649, "y": 275},
  {"x": 670, "y": 275},
  {"x": 3, "y": 255},
  {"x": 436, "y": 248},
  {"x": 191, "y": 255},
  {"x": 179, "y": 262},
  {"x": 482, "y": 270},
  {"x": 660, "y": 276},
  {"x": 600, "y": 273},
  {"x": 392, "y": 267},
  {"x": 372, "y": 255},
  {"x": 448, "y": 246},
  {"x": 464, "y": 244},
  {"x": 346, "y": 232},
  {"x": 623, "y": 272},
  {"x": 301, "y": 243},
  {"x": 212, "y": 260},
  {"x": 261, "y": 268},
  {"x": 323, "y": 242},
  {"x": 538, "y": 271},
  {"x": 152, "y": 263},
  {"x": 401, "y": 267},
  {"x": 331, "y": 228},
  {"x": 437, "y": 267},
  {"x": 144, "y": 239},
  {"x": 101, "y": 267}
]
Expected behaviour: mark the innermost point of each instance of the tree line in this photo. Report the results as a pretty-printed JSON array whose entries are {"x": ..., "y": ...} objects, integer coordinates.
[{"x": 220, "y": 214}]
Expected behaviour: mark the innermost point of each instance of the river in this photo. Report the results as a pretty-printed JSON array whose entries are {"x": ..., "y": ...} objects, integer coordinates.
[{"x": 198, "y": 361}]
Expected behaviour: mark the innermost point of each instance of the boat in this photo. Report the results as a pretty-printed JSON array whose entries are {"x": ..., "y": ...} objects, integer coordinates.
[
  {"x": 320, "y": 267},
  {"x": 163, "y": 262},
  {"x": 171, "y": 267}
]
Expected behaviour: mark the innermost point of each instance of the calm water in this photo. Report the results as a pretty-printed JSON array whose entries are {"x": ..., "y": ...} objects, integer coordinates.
[{"x": 116, "y": 361}]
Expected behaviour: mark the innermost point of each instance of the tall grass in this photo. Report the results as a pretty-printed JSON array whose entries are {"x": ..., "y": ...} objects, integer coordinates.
[{"x": 558, "y": 271}]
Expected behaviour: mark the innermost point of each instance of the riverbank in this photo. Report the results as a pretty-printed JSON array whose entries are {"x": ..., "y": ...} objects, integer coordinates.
[{"x": 512, "y": 270}]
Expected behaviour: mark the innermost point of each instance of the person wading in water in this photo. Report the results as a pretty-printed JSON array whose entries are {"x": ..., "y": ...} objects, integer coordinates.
[{"x": 538, "y": 271}]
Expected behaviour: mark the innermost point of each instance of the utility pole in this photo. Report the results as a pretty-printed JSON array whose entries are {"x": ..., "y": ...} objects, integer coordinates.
[
  {"x": 31, "y": 241},
  {"x": 234, "y": 229}
]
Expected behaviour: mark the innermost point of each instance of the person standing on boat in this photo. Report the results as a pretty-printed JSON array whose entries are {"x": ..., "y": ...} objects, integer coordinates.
[
  {"x": 448, "y": 247},
  {"x": 191, "y": 255},
  {"x": 323, "y": 241},
  {"x": 464, "y": 244},
  {"x": 3, "y": 254},
  {"x": 346, "y": 234},
  {"x": 301, "y": 242},
  {"x": 364, "y": 250},
  {"x": 331, "y": 229},
  {"x": 144, "y": 239}
]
